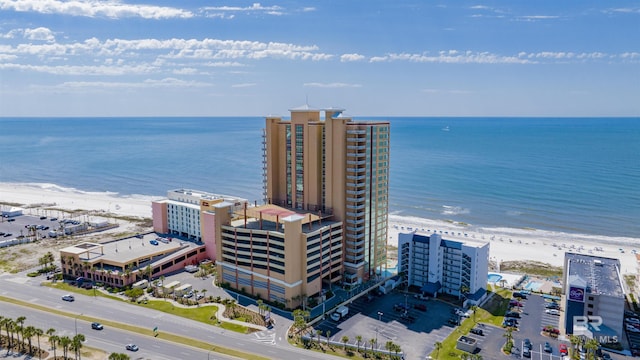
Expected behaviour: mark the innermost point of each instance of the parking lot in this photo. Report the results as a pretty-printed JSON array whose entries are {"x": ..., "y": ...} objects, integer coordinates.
[{"x": 16, "y": 226}]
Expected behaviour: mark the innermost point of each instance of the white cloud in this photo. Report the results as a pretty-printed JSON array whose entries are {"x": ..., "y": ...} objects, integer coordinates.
[
  {"x": 94, "y": 8},
  {"x": 81, "y": 69},
  {"x": 351, "y": 57},
  {"x": 453, "y": 57},
  {"x": 332, "y": 85},
  {"x": 40, "y": 33},
  {"x": 220, "y": 11},
  {"x": 243, "y": 85},
  {"x": 148, "y": 83},
  {"x": 537, "y": 17},
  {"x": 632, "y": 10}
]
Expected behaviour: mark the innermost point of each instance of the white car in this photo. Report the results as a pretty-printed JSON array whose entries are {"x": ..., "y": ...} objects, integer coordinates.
[
  {"x": 632, "y": 320},
  {"x": 68, "y": 297},
  {"x": 632, "y": 328},
  {"x": 552, "y": 312}
]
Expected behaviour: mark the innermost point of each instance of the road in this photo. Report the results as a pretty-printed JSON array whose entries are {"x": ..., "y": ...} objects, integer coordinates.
[{"x": 267, "y": 343}]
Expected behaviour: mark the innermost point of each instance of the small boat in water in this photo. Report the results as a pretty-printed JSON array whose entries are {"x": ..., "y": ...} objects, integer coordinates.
[{"x": 446, "y": 128}]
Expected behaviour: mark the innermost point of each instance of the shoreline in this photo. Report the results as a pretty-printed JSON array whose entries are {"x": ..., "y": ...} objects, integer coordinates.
[{"x": 506, "y": 244}]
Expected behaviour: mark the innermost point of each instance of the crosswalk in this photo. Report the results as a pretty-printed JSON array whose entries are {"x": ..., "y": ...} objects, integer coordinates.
[{"x": 266, "y": 337}]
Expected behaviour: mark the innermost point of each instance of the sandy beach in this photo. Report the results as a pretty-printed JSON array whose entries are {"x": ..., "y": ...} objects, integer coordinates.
[{"x": 506, "y": 243}]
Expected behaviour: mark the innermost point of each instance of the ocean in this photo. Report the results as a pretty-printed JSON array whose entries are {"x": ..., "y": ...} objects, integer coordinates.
[{"x": 575, "y": 175}]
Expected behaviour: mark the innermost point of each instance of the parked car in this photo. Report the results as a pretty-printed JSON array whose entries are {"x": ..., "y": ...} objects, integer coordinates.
[
  {"x": 632, "y": 328},
  {"x": 132, "y": 347},
  {"x": 512, "y": 314},
  {"x": 96, "y": 326},
  {"x": 421, "y": 307},
  {"x": 547, "y": 347},
  {"x": 528, "y": 344},
  {"x": 520, "y": 295},
  {"x": 153, "y": 242},
  {"x": 453, "y": 321},
  {"x": 563, "y": 349},
  {"x": 477, "y": 331},
  {"x": 526, "y": 352},
  {"x": 510, "y": 322},
  {"x": 552, "y": 305},
  {"x": 552, "y": 311},
  {"x": 68, "y": 297}
]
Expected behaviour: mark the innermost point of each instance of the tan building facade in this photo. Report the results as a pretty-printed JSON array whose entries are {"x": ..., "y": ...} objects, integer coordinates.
[
  {"x": 326, "y": 163},
  {"x": 275, "y": 253}
]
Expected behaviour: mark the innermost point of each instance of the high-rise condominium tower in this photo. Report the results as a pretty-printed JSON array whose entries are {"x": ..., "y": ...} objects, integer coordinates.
[{"x": 333, "y": 165}]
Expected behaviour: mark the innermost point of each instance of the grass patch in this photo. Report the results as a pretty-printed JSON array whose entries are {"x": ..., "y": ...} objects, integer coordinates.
[
  {"x": 145, "y": 331},
  {"x": 205, "y": 314},
  {"x": 534, "y": 268},
  {"x": 492, "y": 313}
]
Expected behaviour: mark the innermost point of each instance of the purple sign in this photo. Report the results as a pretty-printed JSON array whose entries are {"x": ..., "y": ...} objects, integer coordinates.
[{"x": 576, "y": 294}]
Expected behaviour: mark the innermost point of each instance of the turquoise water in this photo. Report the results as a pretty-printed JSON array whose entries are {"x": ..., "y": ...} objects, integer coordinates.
[
  {"x": 493, "y": 278},
  {"x": 578, "y": 175},
  {"x": 533, "y": 286}
]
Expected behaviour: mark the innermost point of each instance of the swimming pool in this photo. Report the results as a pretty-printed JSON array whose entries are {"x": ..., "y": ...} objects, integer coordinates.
[
  {"x": 494, "y": 278},
  {"x": 533, "y": 285}
]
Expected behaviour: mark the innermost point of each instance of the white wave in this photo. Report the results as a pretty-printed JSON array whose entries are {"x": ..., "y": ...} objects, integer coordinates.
[{"x": 454, "y": 210}]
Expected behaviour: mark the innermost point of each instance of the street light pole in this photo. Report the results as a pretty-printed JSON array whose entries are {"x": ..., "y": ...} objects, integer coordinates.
[{"x": 209, "y": 353}]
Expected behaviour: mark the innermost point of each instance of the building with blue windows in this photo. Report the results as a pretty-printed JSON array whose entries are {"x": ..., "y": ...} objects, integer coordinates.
[{"x": 437, "y": 265}]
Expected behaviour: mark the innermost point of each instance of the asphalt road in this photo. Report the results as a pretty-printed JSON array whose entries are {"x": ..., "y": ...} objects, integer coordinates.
[{"x": 266, "y": 343}]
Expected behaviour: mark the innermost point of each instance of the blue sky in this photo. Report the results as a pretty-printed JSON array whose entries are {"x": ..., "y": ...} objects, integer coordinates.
[{"x": 387, "y": 58}]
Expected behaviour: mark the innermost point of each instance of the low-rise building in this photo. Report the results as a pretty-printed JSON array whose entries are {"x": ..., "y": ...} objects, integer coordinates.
[
  {"x": 594, "y": 297},
  {"x": 124, "y": 262},
  {"x": 436, "y": 265}
]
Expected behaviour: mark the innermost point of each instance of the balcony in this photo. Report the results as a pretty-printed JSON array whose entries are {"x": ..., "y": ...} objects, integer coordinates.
[
  {"x": 354, "y": 162},
  {"x": 357, "y": 132}
]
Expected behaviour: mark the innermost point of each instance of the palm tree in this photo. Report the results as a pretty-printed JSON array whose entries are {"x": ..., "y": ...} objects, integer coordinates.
[
  {"x": 591, "y": 346},
  {"x": 438, "y": 347},
  {"x": 76, "y": 344},
  {"x": 28, "y": 333},
  {"x": 10, "y": 324},
  {"x": 474, "y": 308},
  {"x": 38, "y": 332},
  {"x": 328, "y": 335},
  {"x": 148, "y": 271},
  {"x": 65, "y": 341},
  {"x": 575, "y": 341},
  {"x": 358, "y": 341},
  {"x": 54, "y": 340},
  {"x": 509, "y": 335},
  {"x": 204, "y": 292},
  {"x": 20, "y": 320},
  {"x": 319, "y": 334},
  {"x": 373, "y": 342},
  {"x": 345, "y": 340}
]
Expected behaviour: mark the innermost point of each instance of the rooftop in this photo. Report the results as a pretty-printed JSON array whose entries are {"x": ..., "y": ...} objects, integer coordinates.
[
  {"x": 272, "y": 217},
  {"x": 127, "y": 250},
  {"x": 600, "y": 274}
]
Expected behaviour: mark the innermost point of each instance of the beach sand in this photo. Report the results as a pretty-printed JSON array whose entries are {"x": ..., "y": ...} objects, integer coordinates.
[{"x": 507, "y": 244}]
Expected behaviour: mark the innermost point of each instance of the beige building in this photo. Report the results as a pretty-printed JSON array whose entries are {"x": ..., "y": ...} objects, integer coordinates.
[
  {"x": 333, "y": 165},
  {"x": 277, "y": 254}
]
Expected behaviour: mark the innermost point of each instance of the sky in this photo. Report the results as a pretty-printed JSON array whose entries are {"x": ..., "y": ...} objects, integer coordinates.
[{"x": 370, "y": 57}]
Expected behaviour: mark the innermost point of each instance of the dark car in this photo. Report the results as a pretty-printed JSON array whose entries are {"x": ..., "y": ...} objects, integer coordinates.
[
  {"x": 476, "y": 331},
  {"x": 510, "y": 322},
  {"x": 421, "y": 307},
  {"x": 526, "y": 353},
  {"x": 96, "y": 326},
  {"x": 512, "y": 314},
  {"x": 547, "y": 347},
  {"x": 519, "y": 295},
  {"x": 453, "y": 321},
  {"x": 153, "y": 242},
  {"x": 528, "y": 344}
]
